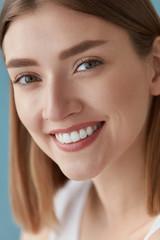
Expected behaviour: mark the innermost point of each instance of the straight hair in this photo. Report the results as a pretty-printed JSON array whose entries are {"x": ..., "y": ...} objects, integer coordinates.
[{"x": 34, "y": 177}]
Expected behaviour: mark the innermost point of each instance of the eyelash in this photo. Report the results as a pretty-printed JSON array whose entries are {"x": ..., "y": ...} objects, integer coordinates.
[
  {"x": 87, "y": 61},
  {"x": 78, "y": 64},
  {"x": 27, "y": 74}
]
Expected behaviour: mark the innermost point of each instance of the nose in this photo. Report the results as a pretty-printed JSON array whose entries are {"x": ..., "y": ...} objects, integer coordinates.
[{"x": 60, "y": 102}]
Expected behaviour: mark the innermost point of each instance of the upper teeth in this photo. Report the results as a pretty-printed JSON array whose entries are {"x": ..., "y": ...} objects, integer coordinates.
[{"x": 76, "y": 136}]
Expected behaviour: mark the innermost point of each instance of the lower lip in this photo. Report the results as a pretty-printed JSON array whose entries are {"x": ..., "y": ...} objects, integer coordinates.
[{"x": 73, "y": 147}]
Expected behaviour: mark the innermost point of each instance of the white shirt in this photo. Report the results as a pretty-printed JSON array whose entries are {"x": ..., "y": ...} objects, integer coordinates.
[{"x": 69, "y": 204}]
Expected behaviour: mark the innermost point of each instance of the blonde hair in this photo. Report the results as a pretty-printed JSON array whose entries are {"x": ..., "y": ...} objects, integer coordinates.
[{"x": 34, "y": 178}]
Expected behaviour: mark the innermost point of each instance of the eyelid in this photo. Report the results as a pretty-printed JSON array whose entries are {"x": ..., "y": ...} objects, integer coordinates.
[
  {"x": 20, "y": 75},
  {"x": 77, "y": 64},
  {"x": 87, "y": 59}
]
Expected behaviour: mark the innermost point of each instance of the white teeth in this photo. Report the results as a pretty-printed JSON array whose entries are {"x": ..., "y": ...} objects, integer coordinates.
[
  {"x": 76, "y": 136},
  {"x": 95, "y": 128},
  {"x": 57, "y": 137},
  {"x": 89, "y": 131},
  {"x": 82, "y": 134},
  {"x": 60, "y": 138},
  {"x": 67, "y": 138}
]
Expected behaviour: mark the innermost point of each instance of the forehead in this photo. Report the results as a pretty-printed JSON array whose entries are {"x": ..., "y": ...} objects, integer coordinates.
[{"x": 54, "y": 28}]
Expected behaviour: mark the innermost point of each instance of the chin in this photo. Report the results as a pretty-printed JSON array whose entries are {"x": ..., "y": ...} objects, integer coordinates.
[{"x": 81, "y": 173}]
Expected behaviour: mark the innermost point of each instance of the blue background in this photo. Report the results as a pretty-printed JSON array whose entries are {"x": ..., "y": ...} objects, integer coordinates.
[{"x": 8, "y": 229}]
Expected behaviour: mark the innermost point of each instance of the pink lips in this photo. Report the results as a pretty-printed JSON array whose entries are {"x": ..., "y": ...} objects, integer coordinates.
[
  {"x": 72, "y": 147},
  {"x": 73, "y": 128}
]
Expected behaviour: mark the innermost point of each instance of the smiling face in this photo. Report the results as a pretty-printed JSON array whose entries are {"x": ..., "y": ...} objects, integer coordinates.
[{"x": 77, "y": 78}]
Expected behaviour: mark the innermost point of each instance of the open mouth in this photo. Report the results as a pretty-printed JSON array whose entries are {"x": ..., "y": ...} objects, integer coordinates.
[
  {"x": 76, "y": 140},
  {"x": 76, "y": 136}
]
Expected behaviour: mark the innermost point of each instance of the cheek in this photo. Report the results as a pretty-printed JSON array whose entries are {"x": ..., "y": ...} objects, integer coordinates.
[
  {"x": 28, "y": 109},
  {"x": 129, "y": 98},
  {"x": 123, "y": 97},
  {"x": 118, "y": 93}
]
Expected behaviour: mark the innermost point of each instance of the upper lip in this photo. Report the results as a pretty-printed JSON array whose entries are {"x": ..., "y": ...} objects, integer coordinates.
[{"x": 74, "y": 127}]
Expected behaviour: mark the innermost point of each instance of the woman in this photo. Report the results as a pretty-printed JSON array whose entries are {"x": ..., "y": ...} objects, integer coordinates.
[{"x": 85, "y": 106}]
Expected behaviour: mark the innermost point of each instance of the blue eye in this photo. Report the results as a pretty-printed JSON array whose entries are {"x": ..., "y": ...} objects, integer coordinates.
[
  {"x": 87, "y": 65},
  {"x": 25, "y": 79}
]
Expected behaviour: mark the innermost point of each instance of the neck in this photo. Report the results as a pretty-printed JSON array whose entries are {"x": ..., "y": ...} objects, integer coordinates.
[{"x": 120, "y": 189}]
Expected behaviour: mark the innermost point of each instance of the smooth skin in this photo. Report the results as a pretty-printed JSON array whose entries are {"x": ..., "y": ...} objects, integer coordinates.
[
  {"x": 43, "y": 235},
  {"x": 117, "y": 87}
]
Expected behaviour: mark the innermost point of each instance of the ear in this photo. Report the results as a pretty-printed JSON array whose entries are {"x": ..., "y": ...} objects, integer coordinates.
[{"x": 155, "y": 84}]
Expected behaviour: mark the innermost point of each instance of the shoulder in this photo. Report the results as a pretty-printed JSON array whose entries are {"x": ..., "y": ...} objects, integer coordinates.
[
  {"x": 155, "y": 230},
  {"x": 67, "y": 205},
  {"x": 43, "y": 235},
  {"x": 156, "y": 235}
]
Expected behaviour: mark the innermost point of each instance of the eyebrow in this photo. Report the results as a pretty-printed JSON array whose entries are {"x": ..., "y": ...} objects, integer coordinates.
[
  {"x": 77, "y": 49},
  {"x": 80, "y": 48},
  {"x": 21, "y": 62}
]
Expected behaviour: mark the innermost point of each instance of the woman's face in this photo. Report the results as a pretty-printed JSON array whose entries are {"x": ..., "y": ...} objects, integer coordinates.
[{"x": 71, "y": 72}]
